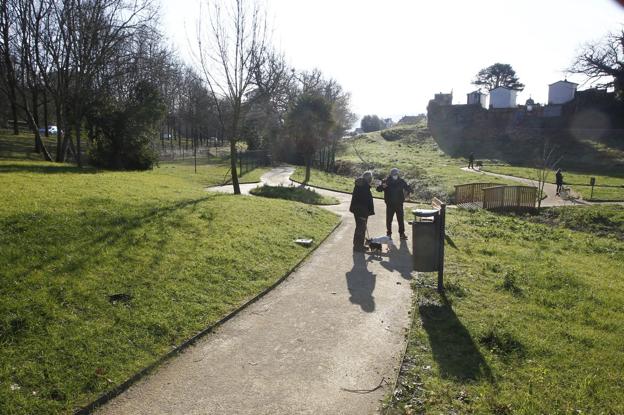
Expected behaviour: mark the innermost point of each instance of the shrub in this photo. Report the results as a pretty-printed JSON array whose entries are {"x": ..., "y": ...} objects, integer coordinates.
[{"x": 123, "y": 131}]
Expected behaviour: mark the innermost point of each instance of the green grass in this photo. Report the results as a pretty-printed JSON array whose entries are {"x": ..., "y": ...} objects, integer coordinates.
[
  {"x": 608, "y": 187},
  {"x": 297, "y": 194},
  {"x": 601, "y": 220},
  {"x": 22, "y": 146},
  {"x": 104, "y": 272},
  {"x": 531, "y": 321},
  {"x": 429, "y": 171}
]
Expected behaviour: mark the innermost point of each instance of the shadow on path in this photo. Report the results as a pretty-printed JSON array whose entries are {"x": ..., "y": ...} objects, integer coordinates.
[
  {"x": 453, "y": 348},
  {"x": 400, "y": 260},
  {"x": 361, "y": 283}
]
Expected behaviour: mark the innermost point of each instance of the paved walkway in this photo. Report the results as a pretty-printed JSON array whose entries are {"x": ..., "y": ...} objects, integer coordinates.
[{"x": 319, "y": 343}]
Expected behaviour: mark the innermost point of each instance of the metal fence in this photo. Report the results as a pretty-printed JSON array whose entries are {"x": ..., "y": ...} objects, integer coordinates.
[{"x": 249, "y": 160}]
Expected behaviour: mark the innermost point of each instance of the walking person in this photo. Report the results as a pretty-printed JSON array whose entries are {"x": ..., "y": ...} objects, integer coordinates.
[
  {"x": 362, "y": 207},
  {"x": 394, "y": 188},
  {"x": 559, "y": 181},
  {"x": 471, "y": 161}
]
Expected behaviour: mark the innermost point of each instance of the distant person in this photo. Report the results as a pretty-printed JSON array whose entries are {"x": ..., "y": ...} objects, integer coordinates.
[
  {"x": 362, "y": 207},
  {"x": 559, "y": 181},
  {"x": 471, "y": 161},
  {"x": 394, "y": 188}
]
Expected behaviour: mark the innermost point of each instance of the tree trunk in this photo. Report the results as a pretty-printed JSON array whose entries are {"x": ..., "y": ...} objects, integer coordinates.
[
  {"x": 308, "y": 163},
  {"x": 35, "y": 116},
  {"x": 78, "y": 132},
  {"x": 45, "y": 112},
  {"x": 59, "y": 134},
  {"x": 233, "y": 167},
  {"x": 38, "y": 141},
  {"x": 15, "y": 124}
]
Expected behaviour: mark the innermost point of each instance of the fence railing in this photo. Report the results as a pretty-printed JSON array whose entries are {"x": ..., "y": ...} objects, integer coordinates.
[
  {"x": 249, "y": 160},
  {"x": 471, "y": 192},
  {"x": 509, "y": 197}
]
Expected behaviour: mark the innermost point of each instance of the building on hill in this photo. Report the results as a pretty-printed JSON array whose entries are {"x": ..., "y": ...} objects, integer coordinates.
[
  {"x": 502, "y": 97},
  {"x": 561, "y": 92},
  {"x": 443, "y": 99},
  {"x": 477, "y": 98}
]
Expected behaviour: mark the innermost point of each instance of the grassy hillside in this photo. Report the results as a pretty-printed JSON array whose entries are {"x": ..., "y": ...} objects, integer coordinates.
[
  {"x": 410, "y": 148},
  {"x": 531, "y": 321},
  {"x": 103, "y": 272},
  {"x": 608, "y": 186}
]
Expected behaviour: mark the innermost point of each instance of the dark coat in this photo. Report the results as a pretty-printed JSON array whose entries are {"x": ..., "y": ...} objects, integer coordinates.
[
  {"x": 559, "y": 178},
  {"x": 394, "y": 194},
  {"x": 362, "y": 199}
]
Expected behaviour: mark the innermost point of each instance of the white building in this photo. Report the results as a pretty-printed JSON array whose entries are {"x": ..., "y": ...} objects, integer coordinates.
[
  {"x": 502, "y": 97},
  {"x": 477, "y": 97},
  {"x": 561, "y": 92}
]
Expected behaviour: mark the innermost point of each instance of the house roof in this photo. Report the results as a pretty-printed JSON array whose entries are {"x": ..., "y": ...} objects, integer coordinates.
[
  {"x": 565, "y": 81},
  {"x": 478, "y": 91}
]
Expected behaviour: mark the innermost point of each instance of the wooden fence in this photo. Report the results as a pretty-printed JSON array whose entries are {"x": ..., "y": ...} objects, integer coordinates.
[
  {"x": 471, "y": 192},
  {"x": 509, "y": 197}
]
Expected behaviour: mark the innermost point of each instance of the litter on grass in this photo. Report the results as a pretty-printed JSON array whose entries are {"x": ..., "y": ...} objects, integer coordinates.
[{"x": 304, "y": 242}]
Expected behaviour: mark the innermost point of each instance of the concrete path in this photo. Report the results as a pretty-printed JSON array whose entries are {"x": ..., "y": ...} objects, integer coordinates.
[
  {"x": 320, "y": 343},
  {"x": 549, "y": 189}
]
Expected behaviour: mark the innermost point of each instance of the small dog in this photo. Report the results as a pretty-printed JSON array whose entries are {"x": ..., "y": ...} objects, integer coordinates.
[{"x": 376, "y": 244}]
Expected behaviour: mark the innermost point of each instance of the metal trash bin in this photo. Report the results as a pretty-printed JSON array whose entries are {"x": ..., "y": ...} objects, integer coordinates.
[{"x": 426, "y": 239}]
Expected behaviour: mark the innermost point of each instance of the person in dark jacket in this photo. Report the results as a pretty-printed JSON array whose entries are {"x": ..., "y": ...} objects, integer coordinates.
[
  {"x": 362, "y": 207},
  {"x": 471, "y": 161},
  {"x": 559, "y": 181},
  {"x": 394, "y": 188}
]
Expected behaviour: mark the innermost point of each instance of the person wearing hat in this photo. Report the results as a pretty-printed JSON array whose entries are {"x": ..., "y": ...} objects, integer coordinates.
[
  {"x": 362, "y": 207},
  {"x": 394, "y": 189}
]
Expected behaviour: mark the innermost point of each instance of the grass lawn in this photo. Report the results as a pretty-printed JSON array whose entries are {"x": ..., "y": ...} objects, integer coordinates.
[
  {"x": 532, "y": 320},
  {"x": 608, "y": 187},
  {"x": 296, "y": 194},
  {"x": 103, "y": 272},
  {"x": 429, "y": 171}
]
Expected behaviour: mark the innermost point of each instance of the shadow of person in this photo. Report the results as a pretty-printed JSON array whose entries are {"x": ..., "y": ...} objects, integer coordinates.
[
  {"x": 400, "y": 260},
  {"x": 452, "y": 346},
  {"x": 361, "y": 283}
]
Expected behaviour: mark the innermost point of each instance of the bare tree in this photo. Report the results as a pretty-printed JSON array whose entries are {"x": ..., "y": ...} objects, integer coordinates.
[
  {"x": 603, "y": 59},
  {"x": 230, "y": 51},
  {"x": 546, "y": 162}
]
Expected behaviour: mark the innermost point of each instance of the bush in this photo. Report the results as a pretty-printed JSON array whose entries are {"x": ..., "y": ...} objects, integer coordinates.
[{"x": 124, "y": 131}]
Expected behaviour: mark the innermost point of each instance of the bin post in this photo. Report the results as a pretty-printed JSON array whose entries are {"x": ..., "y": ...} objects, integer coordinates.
[{"x": 441, "y": 236}]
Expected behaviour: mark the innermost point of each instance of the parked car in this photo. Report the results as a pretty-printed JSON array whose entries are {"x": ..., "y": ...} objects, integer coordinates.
[{"x": 51, "y": 130}]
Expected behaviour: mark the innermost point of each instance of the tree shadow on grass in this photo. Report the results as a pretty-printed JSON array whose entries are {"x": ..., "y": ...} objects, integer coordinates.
[
  {"x": 361, "y": 283},
  {"x": 453, "y": 348},
  {"x": 115, "y": 233},
  {"x": 44, "y": 168}
]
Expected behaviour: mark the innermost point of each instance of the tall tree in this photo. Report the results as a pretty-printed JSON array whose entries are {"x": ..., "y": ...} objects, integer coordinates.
[
  {"x": 499, "y": 74},
  {"x": 371, "y": 123},
  {"x": 230, "y": 52},
  {"x": 309, "y": 123},
  {"x": 603, "y": 59}
]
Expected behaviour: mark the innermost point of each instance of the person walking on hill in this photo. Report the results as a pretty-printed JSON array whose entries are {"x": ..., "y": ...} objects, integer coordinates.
[
  {"x": 559, "y": 181},
  {"x": 471, "y": 161},
  {"x": 394, "y": 188},
  {"x": 362, "y": 207}
]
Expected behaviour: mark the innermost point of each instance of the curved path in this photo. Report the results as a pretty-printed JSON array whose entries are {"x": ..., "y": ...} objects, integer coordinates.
[
  {"x": 549, "y": 189},
  {"x": 322, "y": 342}
]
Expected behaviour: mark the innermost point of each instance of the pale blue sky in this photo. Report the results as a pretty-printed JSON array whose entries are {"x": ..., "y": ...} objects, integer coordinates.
[{"x": 393, "y": 55}]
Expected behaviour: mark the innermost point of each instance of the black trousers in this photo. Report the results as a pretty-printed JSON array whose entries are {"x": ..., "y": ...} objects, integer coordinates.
[
  {"x": 360, "y": 231},
  {"x": 391, "y": 210}
]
